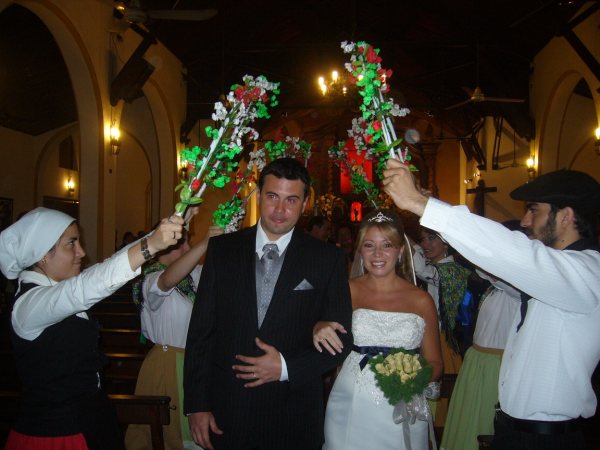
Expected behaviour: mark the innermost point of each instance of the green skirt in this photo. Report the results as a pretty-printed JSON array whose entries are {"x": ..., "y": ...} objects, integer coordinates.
[{"x": 472, "y": 406}]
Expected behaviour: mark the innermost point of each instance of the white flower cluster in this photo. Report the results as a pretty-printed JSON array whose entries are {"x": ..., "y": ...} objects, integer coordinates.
[
  {"x": 348, "y": 47},
  {"x": 397, "y": 111},
  {"x": 405, "y": 365},
  {"x": 220, "y": 112},
  {"x": 257, "y": 159},
  {"x": 236, "y": 220},
  {"x": 260, "y": 81},
  {"x": 357, "y": 132}
]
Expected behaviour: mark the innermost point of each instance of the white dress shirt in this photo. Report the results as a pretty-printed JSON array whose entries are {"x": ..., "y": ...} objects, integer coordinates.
[
  {"x": 166, "y": 315},
  {"x": 282, "y": 243},
  {"x": 496, "y": 314},
  {"x": 547, "y": 366},
  {"x": 52, "y": 302}
]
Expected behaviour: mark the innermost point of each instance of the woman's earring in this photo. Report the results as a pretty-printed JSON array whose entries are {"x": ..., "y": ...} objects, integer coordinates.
[{"x": 43, "y": 260}]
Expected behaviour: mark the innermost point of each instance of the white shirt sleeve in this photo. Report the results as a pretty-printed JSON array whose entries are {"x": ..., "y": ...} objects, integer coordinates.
[
  {"x": 284, "y": 372},
  {"x": 51, "y": 302},
  {"x": 564, "y": 279}
]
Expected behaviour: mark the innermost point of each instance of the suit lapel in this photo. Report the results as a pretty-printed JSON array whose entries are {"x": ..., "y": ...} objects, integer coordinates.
[{"x": 248, "y": 274}]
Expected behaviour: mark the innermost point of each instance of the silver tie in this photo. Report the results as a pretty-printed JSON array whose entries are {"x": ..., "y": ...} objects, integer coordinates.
[
  {"x": 268, "y": 260},
  {"x": 270, "y": 255}
]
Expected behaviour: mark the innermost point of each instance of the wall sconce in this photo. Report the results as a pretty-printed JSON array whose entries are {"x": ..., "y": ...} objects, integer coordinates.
[
  {"x": 531, "y": 168},
  {"x": 70, "y": 184},
  {"x": 115, "y": 140},
  {"x": 183, "y": 172},
  {"x": 597, "y": 142}
]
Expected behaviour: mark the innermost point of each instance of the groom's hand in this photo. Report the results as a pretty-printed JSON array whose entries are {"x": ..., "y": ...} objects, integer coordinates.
[
  {"x": 201, "y": 423},
  {"x": 262, "y": 369}
]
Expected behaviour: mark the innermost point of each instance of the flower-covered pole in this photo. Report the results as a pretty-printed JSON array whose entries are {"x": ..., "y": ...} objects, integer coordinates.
[
  {"x": 368, "y": 75},
  {"x": 358, "y": 179},
  {"x": 211, "y": 166}
]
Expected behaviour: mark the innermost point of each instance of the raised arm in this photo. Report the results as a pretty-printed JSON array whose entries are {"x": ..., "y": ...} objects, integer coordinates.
[
  {"x": 167, "y": 233},
  {"x": 179, "y": 269}
]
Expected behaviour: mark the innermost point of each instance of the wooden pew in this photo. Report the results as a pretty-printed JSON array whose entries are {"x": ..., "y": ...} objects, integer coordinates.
[{"x": 150, "y": 410}]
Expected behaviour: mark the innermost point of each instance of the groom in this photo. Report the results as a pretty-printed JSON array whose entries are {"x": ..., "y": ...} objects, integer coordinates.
[{"x": 252, "y": 378}]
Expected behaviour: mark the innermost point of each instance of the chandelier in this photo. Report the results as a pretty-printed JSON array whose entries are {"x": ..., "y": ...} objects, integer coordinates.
[{"x": 336, "y": 85}]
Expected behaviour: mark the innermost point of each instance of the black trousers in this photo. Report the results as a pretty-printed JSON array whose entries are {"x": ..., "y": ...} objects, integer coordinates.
[{"x": 508, "y": 437}]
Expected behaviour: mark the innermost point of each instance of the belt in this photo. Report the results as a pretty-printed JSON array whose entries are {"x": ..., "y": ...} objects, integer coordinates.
[
  {"x": 491, "y": 351},
  {"x": 539, "y": 426}
]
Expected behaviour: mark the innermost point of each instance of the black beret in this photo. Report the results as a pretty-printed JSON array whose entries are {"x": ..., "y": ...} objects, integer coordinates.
[{"x": 562, "y": 188}]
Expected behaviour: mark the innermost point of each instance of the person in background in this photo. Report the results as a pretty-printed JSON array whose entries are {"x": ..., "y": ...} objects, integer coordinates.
[
  {"x": 319, "y": 227},
  {"x": 446, "y": 282},
  {"x": 554, "y": 341},
  {"x": 346, "y": 243},
  {"x": 168, "y": 292},
  {"x": 55, "y": 344},
  {"x": 476, "y": 388}
]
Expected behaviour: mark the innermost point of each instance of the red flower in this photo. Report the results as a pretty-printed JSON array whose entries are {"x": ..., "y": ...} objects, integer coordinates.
[
  {"x": 368, "y": 138},
  {"x": 195, "y": 185},
  {"x": 376, "y": 125},
  {"x": 372, "y": 56}
]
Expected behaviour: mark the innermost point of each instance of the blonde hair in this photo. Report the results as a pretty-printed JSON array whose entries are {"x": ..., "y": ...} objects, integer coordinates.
[{"x": 390, "y": 225}]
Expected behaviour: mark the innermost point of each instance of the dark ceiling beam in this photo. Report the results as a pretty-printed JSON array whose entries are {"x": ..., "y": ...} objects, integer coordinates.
[{"x": 582, "y": 51}]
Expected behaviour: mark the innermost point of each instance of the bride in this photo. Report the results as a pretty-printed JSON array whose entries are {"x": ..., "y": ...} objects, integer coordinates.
[{"x": 391, "y": 312}]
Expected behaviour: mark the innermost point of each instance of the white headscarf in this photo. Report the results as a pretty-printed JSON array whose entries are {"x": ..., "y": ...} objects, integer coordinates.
[{"x": 28, "y": 240}]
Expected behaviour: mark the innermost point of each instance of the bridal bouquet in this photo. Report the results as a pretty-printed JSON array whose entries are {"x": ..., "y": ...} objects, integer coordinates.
[{"x": 401, "y": 375}]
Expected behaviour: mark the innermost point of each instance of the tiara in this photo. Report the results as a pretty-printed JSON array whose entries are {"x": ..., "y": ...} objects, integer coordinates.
[{"x": 380, "y": 217}]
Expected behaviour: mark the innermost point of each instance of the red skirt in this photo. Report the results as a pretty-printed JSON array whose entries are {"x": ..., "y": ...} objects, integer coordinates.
[{"x": 19, "y": 441}]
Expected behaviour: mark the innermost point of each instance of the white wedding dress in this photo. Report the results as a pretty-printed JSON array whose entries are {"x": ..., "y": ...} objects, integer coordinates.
[{"x": 358, "y": 415}]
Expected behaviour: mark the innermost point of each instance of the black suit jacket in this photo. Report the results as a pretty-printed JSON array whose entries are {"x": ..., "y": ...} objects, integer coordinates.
[{"x": 278, "y": 415}]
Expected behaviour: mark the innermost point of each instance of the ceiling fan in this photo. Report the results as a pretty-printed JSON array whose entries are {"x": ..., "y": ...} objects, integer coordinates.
[
  {"x": 132, "y": 12},
  {"x": 477, "y": 96}
]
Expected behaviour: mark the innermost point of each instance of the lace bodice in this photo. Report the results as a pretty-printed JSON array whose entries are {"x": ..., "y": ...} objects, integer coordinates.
[
  {"x": 387, "y": 329},
  {"x": 382, "y": 329}
]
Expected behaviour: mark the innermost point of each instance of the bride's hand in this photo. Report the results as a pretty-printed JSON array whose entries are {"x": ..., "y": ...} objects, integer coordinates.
[{"x": 325, "y": 336}]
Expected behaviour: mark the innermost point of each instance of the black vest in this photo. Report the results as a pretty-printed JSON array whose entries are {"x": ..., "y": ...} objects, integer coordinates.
[{"x": 59, "y": 374}]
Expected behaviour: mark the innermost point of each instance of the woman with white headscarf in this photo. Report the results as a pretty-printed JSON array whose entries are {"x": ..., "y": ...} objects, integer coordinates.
[{"x": 56, "y": 346}]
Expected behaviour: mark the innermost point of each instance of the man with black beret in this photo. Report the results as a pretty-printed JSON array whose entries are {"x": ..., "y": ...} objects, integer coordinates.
[{"x": 554, "y": 347}]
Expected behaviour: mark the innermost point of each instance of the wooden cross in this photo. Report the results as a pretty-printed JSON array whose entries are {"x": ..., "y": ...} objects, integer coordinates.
[{"x": 480, "y": 191}]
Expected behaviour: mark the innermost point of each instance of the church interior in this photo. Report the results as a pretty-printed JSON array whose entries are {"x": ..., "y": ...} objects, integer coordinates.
[{"x": 99, "y": 97}]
